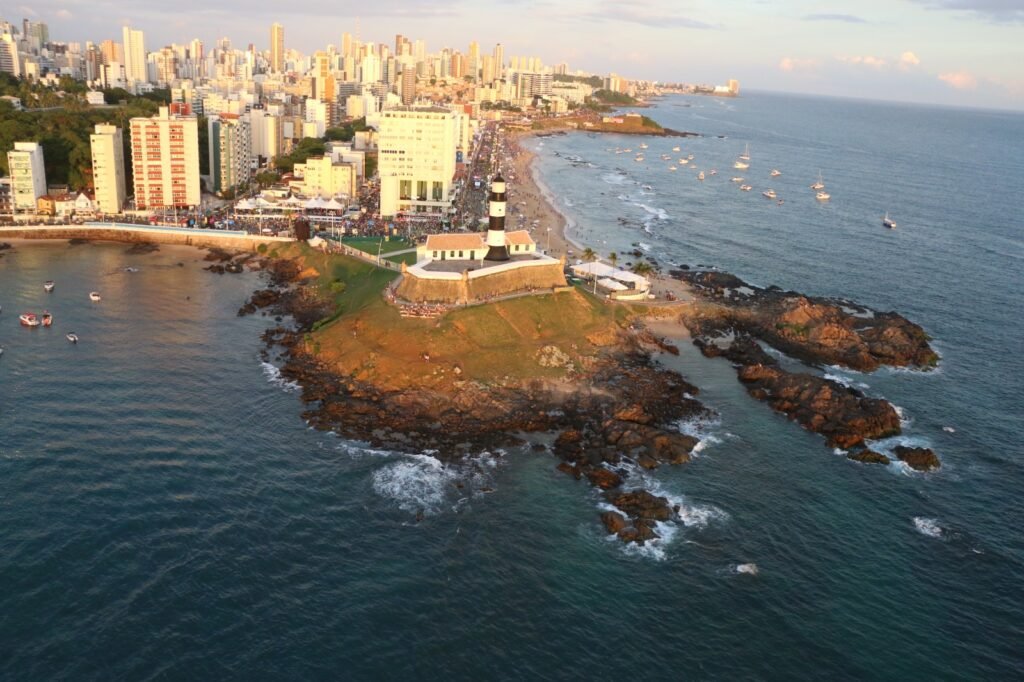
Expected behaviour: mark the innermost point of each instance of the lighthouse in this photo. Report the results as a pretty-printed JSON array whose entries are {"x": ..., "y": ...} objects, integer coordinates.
[{"x": 496, "y": 248}]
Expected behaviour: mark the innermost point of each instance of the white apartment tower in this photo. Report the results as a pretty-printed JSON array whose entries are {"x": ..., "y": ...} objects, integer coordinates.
[
  {"x": 28, "y": 175},
  {"x": 165, "y": 160},
  {"x": 134, "y": 55},
  {"x": 230, "y": 151},
  {"x": 107, "y": 145},
  {"x": 417, "y": 147}
]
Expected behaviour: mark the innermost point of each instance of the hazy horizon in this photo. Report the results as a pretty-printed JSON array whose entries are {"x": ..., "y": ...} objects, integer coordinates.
[{"x": 948, "y": 52}]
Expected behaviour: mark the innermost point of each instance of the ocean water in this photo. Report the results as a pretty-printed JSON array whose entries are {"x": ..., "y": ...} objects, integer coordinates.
[{"x": 165, "y": 513}]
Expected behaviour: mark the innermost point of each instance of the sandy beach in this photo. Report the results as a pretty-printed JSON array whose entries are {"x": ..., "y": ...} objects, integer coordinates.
[{"x": 553, "y": 229}]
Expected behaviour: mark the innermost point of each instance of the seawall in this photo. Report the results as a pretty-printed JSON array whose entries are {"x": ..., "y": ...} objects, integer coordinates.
[{"x": 128, "y": 233}]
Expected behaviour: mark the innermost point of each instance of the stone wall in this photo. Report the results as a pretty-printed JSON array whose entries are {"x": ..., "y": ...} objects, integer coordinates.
[
  {"x": 540, "y": 278},
  {"x": 142, "y": 234}
]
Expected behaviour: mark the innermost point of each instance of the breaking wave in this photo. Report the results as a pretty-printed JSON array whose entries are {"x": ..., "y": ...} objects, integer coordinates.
[
  {"x": 929, "y": 527},
  {"x": 422, "y": 483},
  {"x": 273, "y": 374}
]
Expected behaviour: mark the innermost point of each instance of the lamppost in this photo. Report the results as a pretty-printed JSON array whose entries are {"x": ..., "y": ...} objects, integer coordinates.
[{"x": 549, "y": 241}]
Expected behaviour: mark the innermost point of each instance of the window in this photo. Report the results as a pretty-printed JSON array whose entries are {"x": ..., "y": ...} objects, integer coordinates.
[
  {"x": 453, "y": 254},
  {"x": 435, "y": 255},
  {"x": 438, "y": 193},
  {"x": 421, "y": 190},
  {"x": 405, "y": 189},
  {"x": 460, "y": 254}
]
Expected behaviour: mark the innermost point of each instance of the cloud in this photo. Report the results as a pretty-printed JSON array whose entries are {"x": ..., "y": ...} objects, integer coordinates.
[
  {"x": 62, "y": 14},
  {"x": 999, "y": 11},
  {"x": 650, "y": 13},
  {"x": 908, "y": 59},
  {"x": 959, "y": 80},
  {"x": 791, "y": 64},
  {"x": 846, "y": 18},
  {"x": 867, "y": 60}
]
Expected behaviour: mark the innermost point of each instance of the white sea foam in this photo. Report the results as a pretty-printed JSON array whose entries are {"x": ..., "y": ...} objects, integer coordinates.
[
  {"x": 614, "y": 179},
  {"x": 929, "y": 527},
  {"x": 905, "y": 419},
  {"x": 703, "y": 429},
  {"x": 424, "y": 483},
  {"x": 643, "y": 246},
  {"x": 747, "y": 569},
  {"x": 273, "y": 375},
  {"x": 658, "y": 213}
]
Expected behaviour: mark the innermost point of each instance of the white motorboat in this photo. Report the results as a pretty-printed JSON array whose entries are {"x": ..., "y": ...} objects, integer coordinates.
[
  {"x": 737, "y": 179},
  {"x": 700, "y": 176},
  {"x": 822, "y": 196},
  {"x": 673, "y": 169},
  {"x": 28, "y": 320},
  {"x": 775, "y": 173},
  {"x": 768, "y": 194},
  {"x": 675, "y": 149},
  {"x": 48, "y": 285},
  {"x": 820, "y": 184},
  {"x": 746, "y": 188},
  {"x": 684, "y": 161},
  {"x": 713, "y": 172},
  {"x": 72, "y": 337},
  {"x": 741, "y": 165},
  {"x": 94, "y": 296},
  {"x": 889, "y": 222}
]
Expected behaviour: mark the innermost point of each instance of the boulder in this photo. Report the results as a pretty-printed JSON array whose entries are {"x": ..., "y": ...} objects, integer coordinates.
[
  {"x": 640, "y": 504},
  {"x": 605, "y": 479},
  {"x": 868, "y": 457},
  {"x": 614, "y": 522},
  {"x": 920, "y": 459}
]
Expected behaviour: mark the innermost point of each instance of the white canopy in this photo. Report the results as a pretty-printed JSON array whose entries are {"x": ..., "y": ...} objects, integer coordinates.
[
  {"x": 612, "y": 285},
  {"x": 245, "y": 205},
  {"x": 334, "y": 205},
  {"x": 315, "y": 202},
  {"x": 293, "y": 201},
  {"x": 263, "y": 203}
]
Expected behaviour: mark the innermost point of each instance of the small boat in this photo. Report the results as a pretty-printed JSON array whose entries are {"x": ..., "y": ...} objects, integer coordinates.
[
  {"x": 72, "y": 337},
  {"x": 889, "y": 222},
  {"x": 741, "y": 165},
  {"x": 737, "y": 179},
  {"x": 675, "y": 149},
  {"x": 49, "y": 285},
  {"x": 713, "y": 172},
  {"x": 94, "y": 296},
  {"x": 780, "y": 202},
  {"x": 746, "y": 188},
  {"x": 745, "y": 156},
  {"x": 673, "y": 169},
  {"x": 684, "y": 161},
  {"x": 768, "y": 194},
  {"x": 643, "y": 145},
  {"x": 690, "y": 157},
  {"x": 822, "y": 196},
  {"x": 820, "y": 184},
  {"x": 700, "y": 176},
  {"x": 775, "y": 173},
  {"x": 47, "y": 319},
  {"x": 28, "y": 320}
]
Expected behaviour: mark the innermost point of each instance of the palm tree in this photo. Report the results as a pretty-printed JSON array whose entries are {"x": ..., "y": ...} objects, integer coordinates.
[
  {"x": 589, "y": 255},
  {"x": 613, "y": 258},
  {"x": 643, "y": 268}
]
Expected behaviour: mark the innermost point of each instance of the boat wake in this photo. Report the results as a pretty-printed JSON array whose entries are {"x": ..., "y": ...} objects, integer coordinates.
[{"x": 928, "y": 527}]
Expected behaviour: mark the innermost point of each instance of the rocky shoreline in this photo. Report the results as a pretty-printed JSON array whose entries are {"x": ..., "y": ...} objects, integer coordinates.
[
  {"x": 733, "y": 319},
  {"x": 622, "y": 409}
]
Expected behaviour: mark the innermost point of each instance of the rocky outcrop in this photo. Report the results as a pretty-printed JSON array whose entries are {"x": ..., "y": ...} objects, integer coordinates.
[
  {"x": 843, "y": 415},
  {"x": 868, "y": 457},
  {"x": 920, "y": 459},
  {"x": 817, "y": 330}
]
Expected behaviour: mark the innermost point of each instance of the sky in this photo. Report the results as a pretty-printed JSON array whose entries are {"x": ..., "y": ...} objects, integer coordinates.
[{"x": 951, "y": 52}]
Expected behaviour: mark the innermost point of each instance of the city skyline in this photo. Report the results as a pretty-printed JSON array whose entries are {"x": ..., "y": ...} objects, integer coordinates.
[{"x": 899, "y": 52}]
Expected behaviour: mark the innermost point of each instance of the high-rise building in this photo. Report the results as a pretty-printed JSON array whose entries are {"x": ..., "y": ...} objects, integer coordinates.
[
  {"x": 28, "y": 175},
  {"x": 107, "y": 145},
  {"x": 277, "y": 48},
  {"x": 10, "y": 62},
  {"x": 734, "y": 86},
  {"x": 112, "y": 52},
  {"x": 134, "y": 55},
  {"x": 499, "y": 61},
  {"x": 230, "y": 145},
  {"x": 408, "y": 85},
  {"x": 417, "y": 148},
  {"x": 370, "y": 71},
  {"x": 346, "y": 45},
  {"x": 165, "y": 160},
  {"x": 473, "y": 60},
  {"x": 323, "y": 78},
  {"x": 166, "y": 65},
  {"x": 265, "y": 133}
]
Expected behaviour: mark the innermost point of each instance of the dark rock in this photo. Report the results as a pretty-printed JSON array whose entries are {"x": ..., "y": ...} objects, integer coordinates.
[
  {"x": 604, "y": 479},
  {"x": 868, "y": 457},
  {"x": 641, "y": 504},
  {"x": 920, "y": 459},
  {"x": 613, "y": 522},
  {"x": 567, "y": 468}
]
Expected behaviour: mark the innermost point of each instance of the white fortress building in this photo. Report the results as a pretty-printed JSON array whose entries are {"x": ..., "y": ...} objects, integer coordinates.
[{"x": 463, "y": 267}]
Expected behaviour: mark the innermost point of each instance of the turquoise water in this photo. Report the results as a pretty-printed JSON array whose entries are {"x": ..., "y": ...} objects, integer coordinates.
[{"x": 165, "y": 513}]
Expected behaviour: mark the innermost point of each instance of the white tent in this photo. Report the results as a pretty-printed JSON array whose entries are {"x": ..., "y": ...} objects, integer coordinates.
[
  {"x": 314, "y": 203},
  {"x": 293, "y": 202},
  {"x": 334, "y": 205},
  {"x": 263, "y": 203},
  {"x": 612, "y": 285},
  {"x": 245, "y": 205}
]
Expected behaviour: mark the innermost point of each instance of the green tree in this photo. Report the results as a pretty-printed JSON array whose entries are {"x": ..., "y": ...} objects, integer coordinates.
[
  {"x": 589, "y": 255},
  {"x": 642, "y": 268},
  {"x": 613, "y": 258}
]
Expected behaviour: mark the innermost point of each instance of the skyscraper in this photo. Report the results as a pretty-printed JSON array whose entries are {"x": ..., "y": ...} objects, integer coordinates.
[
  {"x": 134, "y": 55},
  {"x": 499, "y": 61},
  {"x": 28, "y": 175},
  {"x": 230, "y": 142},
  {"x": 277, "y": 48},
  {"x": 417, "y": 159},
  {"x": 323, "y": 77},
  {"x": 108, "y": 167},
  {"x": 408, "y": 84}
]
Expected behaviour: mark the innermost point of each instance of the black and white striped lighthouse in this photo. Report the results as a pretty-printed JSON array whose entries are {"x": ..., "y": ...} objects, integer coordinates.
[{"x": 497, "y": 250}]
